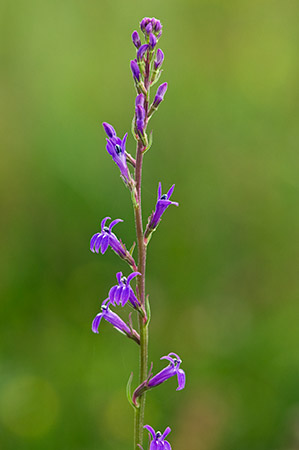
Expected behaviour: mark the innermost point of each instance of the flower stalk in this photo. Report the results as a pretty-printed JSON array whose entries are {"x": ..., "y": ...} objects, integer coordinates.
[{"x": 146, "y": 70}]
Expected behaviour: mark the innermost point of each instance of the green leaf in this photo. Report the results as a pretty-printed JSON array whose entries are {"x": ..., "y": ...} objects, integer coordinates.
[
  {"x": 148, "y": 310},
  {"x": 128, "y": 391}
]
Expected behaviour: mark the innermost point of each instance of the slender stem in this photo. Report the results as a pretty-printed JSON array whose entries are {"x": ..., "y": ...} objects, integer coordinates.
[{"x": 143, "y": 329}]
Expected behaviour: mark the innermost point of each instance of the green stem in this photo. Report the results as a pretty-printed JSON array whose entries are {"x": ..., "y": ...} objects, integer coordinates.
[{"x": 143, "y": 329}]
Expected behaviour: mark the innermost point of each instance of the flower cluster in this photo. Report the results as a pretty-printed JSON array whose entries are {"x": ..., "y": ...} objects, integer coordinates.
[{"x": 146, "y": 71}]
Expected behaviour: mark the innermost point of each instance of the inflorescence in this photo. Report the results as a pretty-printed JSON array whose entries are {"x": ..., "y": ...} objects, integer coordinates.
[{"x": 146, "y": 70}]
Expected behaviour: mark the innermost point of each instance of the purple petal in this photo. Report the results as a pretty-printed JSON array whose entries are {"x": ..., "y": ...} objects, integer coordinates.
[
  {"x": 166, "y": 432},
  {"x": 167, "y": 446},
  {"x": 123, "y": 143},
  {"x": 155, "y": 446},
  {"x": 151, "y": 430},
  {"x": 98, "y": 243},
  {"x": 104, "y": 222},
  {"x": 118, "y": 277},
  {"x": 159, "y": 191},
  {"x": 112, "y": 294},
  {"x": 133, "y": 299},
  {"x": 114, "y": 222},
  {"x": 92, "y": 241},
  {"x": 181, "y": 379},
  {"x": 169, "y": 193},
  {"x": 175, "y": 355},
  {"x": 132, "y": 275},
  {"x": 117, "y": 295},
  {"x": 168, "y": 358},
  {"x": 104, "y": 244},
  {"x": 125, "y": 295},
  {"x": 96, "y": 322}
]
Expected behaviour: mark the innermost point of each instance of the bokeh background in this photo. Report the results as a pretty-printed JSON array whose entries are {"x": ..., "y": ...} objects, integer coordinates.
[{"x": 223, "y": 267}]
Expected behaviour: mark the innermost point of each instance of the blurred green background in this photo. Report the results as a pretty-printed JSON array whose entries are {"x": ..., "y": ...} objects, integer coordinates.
[{"x": 222, "y": 268}]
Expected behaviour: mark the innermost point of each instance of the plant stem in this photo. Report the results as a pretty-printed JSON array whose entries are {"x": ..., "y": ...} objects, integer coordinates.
[{"x": 143, "y": 330}]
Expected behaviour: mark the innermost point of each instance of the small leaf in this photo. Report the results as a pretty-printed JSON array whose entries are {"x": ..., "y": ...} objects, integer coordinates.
[
  {"x": 132, "y": 248},
  {"x": 133, "y": 129},
  {"x": 148, "y": 311},
  {"x": 128, "y": 391},
  {"x": 150, "y": 142},
  {"x": 156, "y": 79}
]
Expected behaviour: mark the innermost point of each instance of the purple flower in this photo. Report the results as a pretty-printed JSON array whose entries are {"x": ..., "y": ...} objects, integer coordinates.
[
  {"x": 105, "y": 238},
  {"x": 152, "y": 41},
  {"x": 172, "y": 369},
  {"x": 111, "y": 317},
  {"x": 159, "y": 59},
  {"x": 141, "y": 52},
  {"x": 136, "y": 39},
  {"x": 158, "y": 439},
  {"x": 135, "y": 70},
  {"x": 160, "y": 94},
  {"x": 162, "y": 204},
  {"x": 115, "y": 320},
  {"x": 152, "y": 381},
  {"x": 122, "y": 292},
  {"x": 117, "y": 149}
]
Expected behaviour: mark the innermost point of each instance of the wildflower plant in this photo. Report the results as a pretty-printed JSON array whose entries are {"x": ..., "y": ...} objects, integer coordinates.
[{"x": 146, "y": 71}]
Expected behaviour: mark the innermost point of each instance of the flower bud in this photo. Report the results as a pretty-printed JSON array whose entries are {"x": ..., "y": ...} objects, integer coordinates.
[
  {"x": 160, "y": 94},
  {"x": 139, "y": 100},
  {"x": 159, "y": 59},
  {"x": 152, "y": 41},
  {"x": 135, "y": 70},
  {"x": 136, "y": 39},
  {"x": 141, "y": 52},
  {"x": 140, "y": 116},
  {"x": 148, "y": 28},
  {"x": 109, "y": 130},
  {"x": 157, "y": 26}
]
